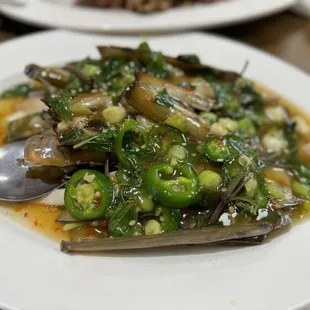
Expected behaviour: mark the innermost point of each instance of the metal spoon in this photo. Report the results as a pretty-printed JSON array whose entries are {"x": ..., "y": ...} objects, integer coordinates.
[{"x": 14, "y": 183}]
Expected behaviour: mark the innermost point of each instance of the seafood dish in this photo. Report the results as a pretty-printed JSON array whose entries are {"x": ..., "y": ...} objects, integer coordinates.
[
  {"x": 158, "y": 151},
  {"x": 141, "y": 6}
]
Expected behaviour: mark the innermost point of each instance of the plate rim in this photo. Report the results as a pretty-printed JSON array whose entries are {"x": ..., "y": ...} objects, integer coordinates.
[{"x": 13, "y": 13}]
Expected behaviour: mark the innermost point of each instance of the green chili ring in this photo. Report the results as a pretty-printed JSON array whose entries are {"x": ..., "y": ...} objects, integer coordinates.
[
  {"x": 128, "y": 125},
  {"x": 217, "y": 150},
  {"x": 179, "y": 191},
  {"x": 94, "y": 197}
]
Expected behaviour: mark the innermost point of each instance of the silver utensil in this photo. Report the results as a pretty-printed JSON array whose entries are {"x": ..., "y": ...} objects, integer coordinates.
[{"x": 15, "y": 185}]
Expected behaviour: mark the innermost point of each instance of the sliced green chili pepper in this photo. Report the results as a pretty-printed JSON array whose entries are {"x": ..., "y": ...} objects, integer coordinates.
[
  {"x": 217, "y": 150},
  {"x": 128, "y": 125},
  {"x": 173, "y": 186},
  {"x": 88, "y": 194}
]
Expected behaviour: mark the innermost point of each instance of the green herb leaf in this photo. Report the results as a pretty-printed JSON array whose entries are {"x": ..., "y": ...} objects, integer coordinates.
[
  {"x": 144, "y": 47},
  {"x": 72, "y": 137},
  {"x": 250, "y": 97},
  {"x": 290, "y": 136},
  {"x": 60, "y": 105},
  {"x": 116, "y": 73},
  {"x": 164, "y": 99},
  {"x": 191, "y": 58},
  {"x": 302, "y": 173},
  {"x": 104, "y": 142},
  {"x": 171, "y": 218},
  {"x": 120, "y": 218},
  {"x": 21, "y": 90}
]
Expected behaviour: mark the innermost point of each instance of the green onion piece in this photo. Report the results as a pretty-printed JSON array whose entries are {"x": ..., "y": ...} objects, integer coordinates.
[
  {"x": 152, "y": 227},
  {"x": 209, "y": 179}
]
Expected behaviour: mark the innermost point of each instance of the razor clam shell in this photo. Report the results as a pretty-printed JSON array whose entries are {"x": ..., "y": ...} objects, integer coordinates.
[{"x": 209, "y": 235}]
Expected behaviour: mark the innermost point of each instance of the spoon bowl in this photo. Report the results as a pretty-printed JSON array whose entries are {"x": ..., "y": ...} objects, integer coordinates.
[{"x": 15, "y": 184}]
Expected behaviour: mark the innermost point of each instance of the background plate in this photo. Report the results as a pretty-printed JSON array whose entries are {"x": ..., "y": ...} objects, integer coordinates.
[
  {"x": 60, "y": 14},
  {"x": 35, "y": 275}
]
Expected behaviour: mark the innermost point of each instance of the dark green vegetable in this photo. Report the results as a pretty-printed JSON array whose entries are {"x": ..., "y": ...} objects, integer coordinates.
[
  {"x": 249, "y": 97},
  {"x": 20, "y": 90},
  {"x": 71, "y": 137},
  {"x": 129, "y": 126},
  {"x": 169, "y": 219},
  {"x": 290, "y": 134},
  {"x": 302, "y": 174},
  {"x": 103, "y": 142},
  {"x": 123, "y": 221},
  {"x": 173, "y": 186},
  {"x": 60, "y": 105},
  {"x": 217, "y": 150},
  {"x": 164, "y": 99},
  {"x": 88, "y": 195},
  {"x": 192, "y": 59}
]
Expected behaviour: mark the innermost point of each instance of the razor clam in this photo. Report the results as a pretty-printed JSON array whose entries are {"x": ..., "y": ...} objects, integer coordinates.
[
  {"x": 209, "y": 235},
  {"x": 45, "y": 151},
  {"x": 92, "y": 102},
  {"x": 27, "y": 126},
  {"x": 53, "y": 76},
  {"x": 144, "y": 58},
  {"x": 195, "y": 99},
  {"x": 142, "y": 98}
]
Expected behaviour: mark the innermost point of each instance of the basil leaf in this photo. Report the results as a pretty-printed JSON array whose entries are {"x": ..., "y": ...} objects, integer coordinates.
[
  {"x": 191, "y": 59},
  {"x": 71, "y": 137},
  {"x": 61, "y": 105},
  {"x": 302, "y": 173},
  {"x": 21, "y": 90},
  {"x": 290, "y": 136},
  {"x": 164, "y": 99},
  {"x": 250, "y": 97},
  {"x": 104, "y": 142},
  {"x": 120, "y": 218}
]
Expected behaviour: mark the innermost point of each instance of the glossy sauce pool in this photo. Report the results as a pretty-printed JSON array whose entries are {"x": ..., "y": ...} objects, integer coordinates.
[{"x": 43, "y": 218}]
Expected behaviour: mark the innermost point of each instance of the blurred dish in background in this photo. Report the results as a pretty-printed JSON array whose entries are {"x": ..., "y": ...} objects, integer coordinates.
[
  {"x": 67, "y": 14},
  {"x": 142, "y": 6}
]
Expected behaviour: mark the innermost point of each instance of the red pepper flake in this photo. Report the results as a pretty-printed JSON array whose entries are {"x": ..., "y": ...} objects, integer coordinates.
[
  {"x": 35, "y": 223},
  {"x": 218, "y": 142},
  {"x": 58, "y": 138},
  {"x": 18, "y": 208},
  {"x": 41, "y": 138},
  {"x": 56, "y": 229},
  {"x": 188, "y": 90},
  {"x": 25, "y": 214},
  {"x": 91, "y": 233}
]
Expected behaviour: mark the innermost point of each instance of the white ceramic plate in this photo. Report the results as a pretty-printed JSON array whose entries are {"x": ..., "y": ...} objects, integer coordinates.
[
  {"x": 35, "y": 275},
  {"x": 62, "y": 14}
]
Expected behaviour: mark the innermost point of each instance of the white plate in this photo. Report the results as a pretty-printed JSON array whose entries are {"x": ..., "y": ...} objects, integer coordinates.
[
  {"x": 35, "y": 275},
  {"x": 61, "y": 14}
]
